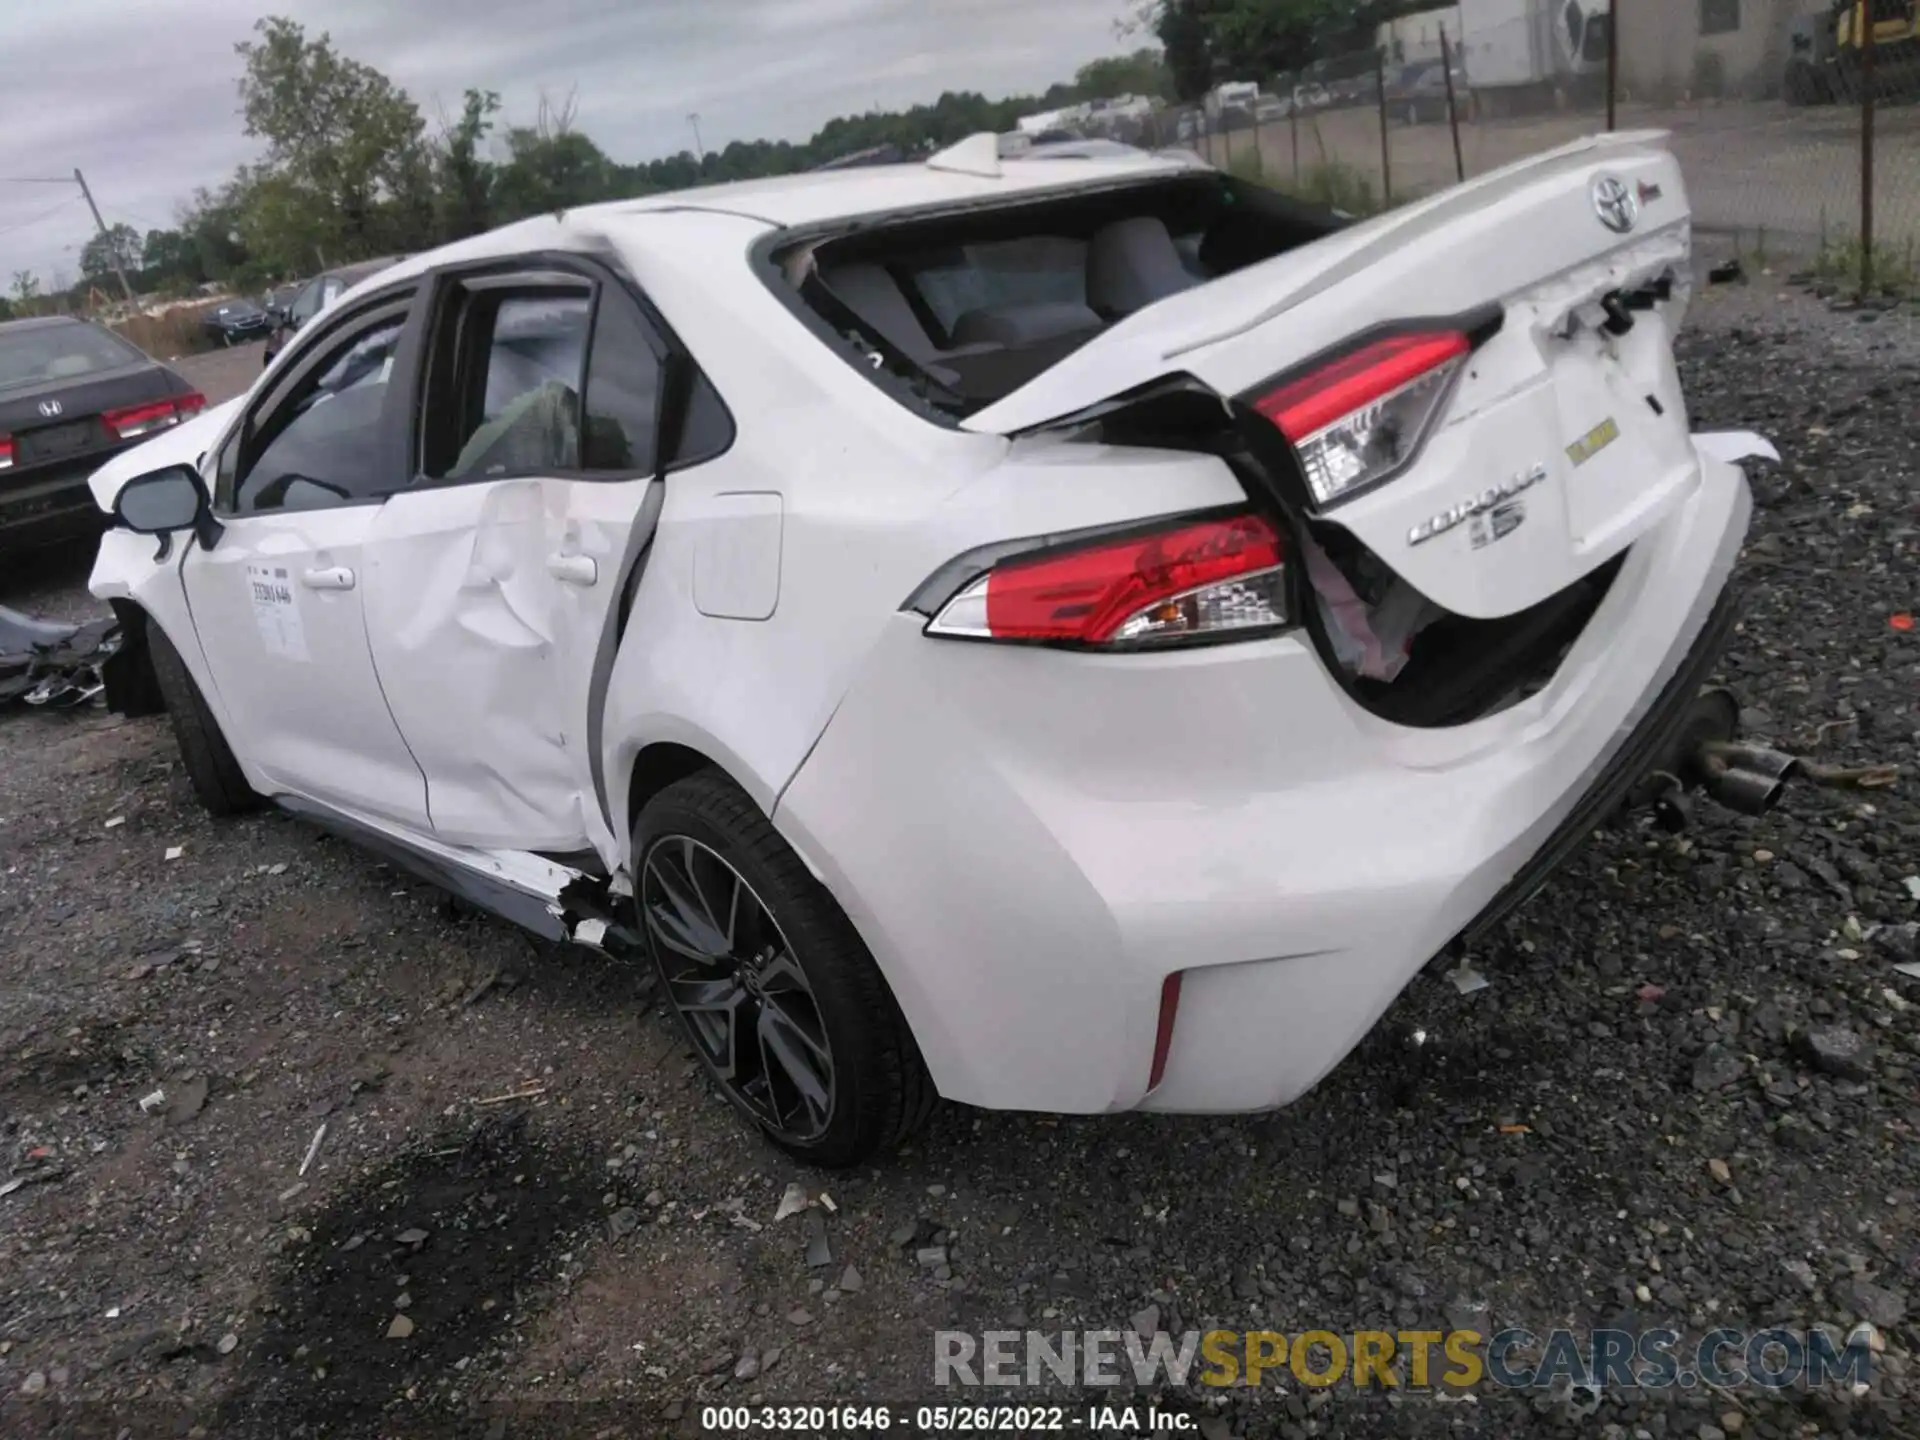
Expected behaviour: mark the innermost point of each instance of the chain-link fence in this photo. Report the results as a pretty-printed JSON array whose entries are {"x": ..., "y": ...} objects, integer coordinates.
[{"x": 1795, "y": 120}]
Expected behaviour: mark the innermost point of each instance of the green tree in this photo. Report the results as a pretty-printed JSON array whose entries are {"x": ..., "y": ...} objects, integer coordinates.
[
  {"x": 1144, "y": 72},
  {"x": 342, "y": 140},
  {"x": 1209, "y": 40},
  {"x": 1182, "y": 26},
  {"x": 553, "y": 167},
  {"x": 464, "y": 195},
  {"x": 167, "y": 260},
  {"x": 118, "y": 247},
  {"x": 26, "y": 287},
  {"x": 210, "y": 231}
]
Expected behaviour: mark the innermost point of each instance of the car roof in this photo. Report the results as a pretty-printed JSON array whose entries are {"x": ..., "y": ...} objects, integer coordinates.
[
  {"x": 817, "y": 196},
  {"x": 39, "y": 322},
  {"x": 360, "y": 269}
]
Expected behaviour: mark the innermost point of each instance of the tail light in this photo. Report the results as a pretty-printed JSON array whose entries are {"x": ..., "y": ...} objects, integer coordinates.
[
  {"x": 1358, "y": 420},
  {"x": 130, "y": 422},
  {"x": 1163, "y": 1030},
  {"x": 1194, "y": 580},
  {"x": 6, "y": 452}
]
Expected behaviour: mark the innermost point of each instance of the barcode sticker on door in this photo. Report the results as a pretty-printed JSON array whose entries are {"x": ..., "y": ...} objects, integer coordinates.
[{"x": 276, "y": 611}]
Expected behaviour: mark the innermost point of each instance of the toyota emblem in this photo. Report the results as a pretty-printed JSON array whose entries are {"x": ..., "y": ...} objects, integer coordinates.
[
  {"x": 1614, "y": 203},
  {"x": 50, "y": 408}
]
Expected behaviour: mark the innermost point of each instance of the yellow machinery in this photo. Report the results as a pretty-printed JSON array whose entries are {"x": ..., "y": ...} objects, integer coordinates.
[{"x": 1825, "y": 62}]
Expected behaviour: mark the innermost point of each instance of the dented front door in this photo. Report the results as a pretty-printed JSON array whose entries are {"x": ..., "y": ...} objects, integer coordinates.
[
  {"x": 277, "y": 605},
  {"x": 487, "y": 605}
]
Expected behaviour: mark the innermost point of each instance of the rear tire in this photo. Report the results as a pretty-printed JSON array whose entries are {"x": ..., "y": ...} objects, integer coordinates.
[
  {"x": 778, "y": 995},
  {"x": 218, "y": 782}
]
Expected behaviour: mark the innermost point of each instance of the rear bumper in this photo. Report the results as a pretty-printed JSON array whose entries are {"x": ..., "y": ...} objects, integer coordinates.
[
  {"x": 47, "y": 506},
  {"x": 1030, "y": 842}
]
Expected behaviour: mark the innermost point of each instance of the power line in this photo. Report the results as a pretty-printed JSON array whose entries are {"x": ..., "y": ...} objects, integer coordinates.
[
  {"x": 136, "y": 219},
  {"x": 36, "y": 219},
  {"x": 36, "y": 179}
]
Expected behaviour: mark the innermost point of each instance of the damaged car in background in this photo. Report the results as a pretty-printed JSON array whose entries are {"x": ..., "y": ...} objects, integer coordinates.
[{"x": 929, "y": 610}]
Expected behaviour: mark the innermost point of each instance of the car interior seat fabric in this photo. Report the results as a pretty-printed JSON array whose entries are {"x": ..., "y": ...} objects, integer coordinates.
[
  {"x": 539, "y": 431},
  {"x": 1022, "y": 324},
  {"x": 1132, "y": 263},
  {"x": 872, "y": 294}
]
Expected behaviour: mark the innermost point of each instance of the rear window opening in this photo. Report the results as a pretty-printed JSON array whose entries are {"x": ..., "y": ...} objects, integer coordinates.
[
  {"x": 963, "y": 308},
  {"x": 1415, "y": 663},
  {"x": 43, "y": 354}
]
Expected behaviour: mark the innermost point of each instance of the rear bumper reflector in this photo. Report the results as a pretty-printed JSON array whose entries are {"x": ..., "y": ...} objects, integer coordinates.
[{"x": 1163, "y": 1032}]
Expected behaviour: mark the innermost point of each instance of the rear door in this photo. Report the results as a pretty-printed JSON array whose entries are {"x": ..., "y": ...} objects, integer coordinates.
[
  {"x": 1566, "y": 417},
  {"x": 278, "y": 601},
  {"x": 498, "y": 575}
]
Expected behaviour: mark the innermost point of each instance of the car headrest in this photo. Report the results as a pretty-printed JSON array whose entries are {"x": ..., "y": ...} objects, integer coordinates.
[
  {"x": 1132, "y": 263},
  {"x": 872, "y": 294}
]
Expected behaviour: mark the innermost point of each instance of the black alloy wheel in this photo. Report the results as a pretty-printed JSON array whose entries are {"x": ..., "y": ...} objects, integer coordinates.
[{"x": 740, "y": 991}]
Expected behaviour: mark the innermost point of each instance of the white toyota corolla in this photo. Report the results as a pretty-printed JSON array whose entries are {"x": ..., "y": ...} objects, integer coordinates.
[{"x": 1073, "y": 633}]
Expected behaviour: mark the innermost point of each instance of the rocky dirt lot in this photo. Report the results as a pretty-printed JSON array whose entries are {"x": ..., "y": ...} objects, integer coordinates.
[{"x": 294, "y": 1147}]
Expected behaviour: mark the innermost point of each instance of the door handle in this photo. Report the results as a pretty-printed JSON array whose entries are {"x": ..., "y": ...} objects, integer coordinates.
[
  {"x": 573, "y": 569},
  {"x": 336, "y": 577}
]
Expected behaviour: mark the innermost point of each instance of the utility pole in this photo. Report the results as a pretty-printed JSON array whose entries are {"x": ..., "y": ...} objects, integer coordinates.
[
  {"x": 699, "y": 151},
  {"x": 81, "y": 181},
  {"x": 1613, "y": 64},
  {"x": 1867, "y": 20}
]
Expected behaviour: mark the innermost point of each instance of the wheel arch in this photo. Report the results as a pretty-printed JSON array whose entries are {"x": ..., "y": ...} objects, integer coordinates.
[
  {"x": 643, "y": 766},
  {"x": 658, "y": 765},
  {"x": 642, "y": 770},
  {"x": 131, "y": 686}
]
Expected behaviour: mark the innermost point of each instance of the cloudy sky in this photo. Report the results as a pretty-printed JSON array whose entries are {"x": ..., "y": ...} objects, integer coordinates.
[{"x": 141, "y": 96}]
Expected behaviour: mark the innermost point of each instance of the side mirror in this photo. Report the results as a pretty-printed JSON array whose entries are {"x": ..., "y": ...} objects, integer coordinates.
[{"x": 163, "y": 501}]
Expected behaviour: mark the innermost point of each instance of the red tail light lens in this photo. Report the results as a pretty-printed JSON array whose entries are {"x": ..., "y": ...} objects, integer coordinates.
[
  {"x": 6, "y": 452},
  {"x": 1163, "y": 1031},
  {"x": 1201, "y": 578},
  {"x": 132, "y": 421},
  {"x": 1357, "y": 420}
]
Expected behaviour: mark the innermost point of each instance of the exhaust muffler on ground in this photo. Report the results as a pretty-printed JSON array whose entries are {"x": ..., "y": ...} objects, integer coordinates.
[{"x": 1706, "y": 755}]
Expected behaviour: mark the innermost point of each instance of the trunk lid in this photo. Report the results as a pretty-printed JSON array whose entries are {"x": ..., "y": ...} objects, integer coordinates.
[
  {"x": 1575, "y": 437},
  {"x": 74, "y": 429}
]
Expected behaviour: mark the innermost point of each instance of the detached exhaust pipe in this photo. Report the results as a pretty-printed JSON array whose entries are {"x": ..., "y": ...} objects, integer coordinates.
[
  {"x": 1748, "y": 779},
  {"x": 1751, "y": 779},
  {"x": 1749, "y": 792}
]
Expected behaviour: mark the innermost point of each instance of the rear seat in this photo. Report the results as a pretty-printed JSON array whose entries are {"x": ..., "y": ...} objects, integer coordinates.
[
  {"x": 1022, "y": 324},
  {"x": 1132, "y": 263},
  {"x": 872, "y": 294}
]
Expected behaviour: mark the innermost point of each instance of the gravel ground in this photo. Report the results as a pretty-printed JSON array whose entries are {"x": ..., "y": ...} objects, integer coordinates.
[{"x": 523, "y": 1193}]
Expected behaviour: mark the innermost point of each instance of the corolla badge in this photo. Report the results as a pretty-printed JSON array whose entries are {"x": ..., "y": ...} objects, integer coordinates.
[
  {"x": 1614, "y": 203},
  {"x": 1491, "y": 498}
]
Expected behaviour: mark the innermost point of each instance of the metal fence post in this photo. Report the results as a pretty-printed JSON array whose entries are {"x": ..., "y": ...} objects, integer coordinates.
[
  {"x": 1293, "y": 125},
  {"x": 1869, "y": 21},
  {"x": 1453, "y": 112},
  {"x": 1386, "y": 157},
  {"x": 1613, "y": 62}
]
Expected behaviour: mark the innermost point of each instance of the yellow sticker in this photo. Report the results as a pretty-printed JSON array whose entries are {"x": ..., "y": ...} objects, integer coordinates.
[{"x": 1593, "y": 442}]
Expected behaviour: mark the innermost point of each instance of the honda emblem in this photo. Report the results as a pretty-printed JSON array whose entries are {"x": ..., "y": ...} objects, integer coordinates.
[{"x": 50, "y": 408}]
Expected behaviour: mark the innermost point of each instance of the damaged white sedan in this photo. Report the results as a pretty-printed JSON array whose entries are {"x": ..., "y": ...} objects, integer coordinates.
[{"x": 1070, "y": 634}]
